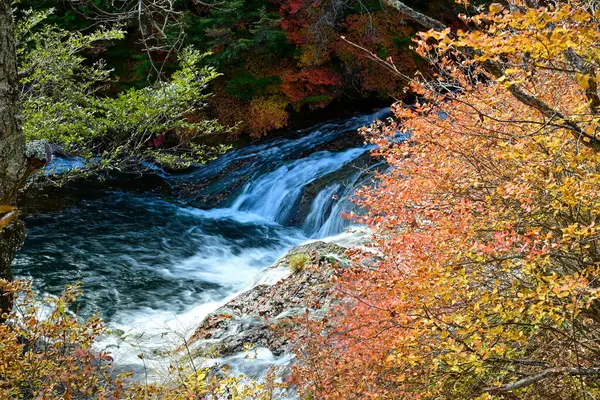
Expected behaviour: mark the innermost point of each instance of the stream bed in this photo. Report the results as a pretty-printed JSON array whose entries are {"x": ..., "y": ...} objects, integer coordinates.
[{"x": 153, "y": 266}]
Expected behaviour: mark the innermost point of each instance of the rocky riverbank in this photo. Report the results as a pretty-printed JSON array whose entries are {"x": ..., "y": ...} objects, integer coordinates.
[{"x": 265, "y": 315}]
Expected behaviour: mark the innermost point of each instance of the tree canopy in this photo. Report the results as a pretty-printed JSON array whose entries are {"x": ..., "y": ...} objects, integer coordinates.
[{"x": 64, "y": 103}]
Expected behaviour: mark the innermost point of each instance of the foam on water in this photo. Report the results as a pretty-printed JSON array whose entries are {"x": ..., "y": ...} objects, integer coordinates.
[
  {"x": 274, "y": 195},
  {"x": 154, "y": 268}
]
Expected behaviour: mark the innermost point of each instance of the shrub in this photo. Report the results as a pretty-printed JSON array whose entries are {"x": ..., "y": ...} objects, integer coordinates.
[
  {"x": 63, "y": 102},
  {"x": 267, "y": 114},
  {"x": 298, "y": 261},
  {"x": 484, "y": 226},
  {"x": 46, "y": 353}
]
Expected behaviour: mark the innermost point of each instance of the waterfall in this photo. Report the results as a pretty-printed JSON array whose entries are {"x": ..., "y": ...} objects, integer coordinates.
[
  {"x": 321, "y": 207},
  {"x": 274, "y": 195},
  {"x": 152, "y": 265}
]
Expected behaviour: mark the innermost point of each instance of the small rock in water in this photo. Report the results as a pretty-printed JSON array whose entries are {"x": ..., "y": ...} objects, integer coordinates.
[{"x": 39, "y": 150}]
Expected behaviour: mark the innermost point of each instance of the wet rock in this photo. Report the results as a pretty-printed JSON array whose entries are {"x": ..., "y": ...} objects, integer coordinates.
[
  {"x": 343, "y": 176},
  {"x": 258, "y": 316},
  {"x": 348, "y": 140},
  {"x": 44, "y": 194},
  {"x": 214, "y": 190}
]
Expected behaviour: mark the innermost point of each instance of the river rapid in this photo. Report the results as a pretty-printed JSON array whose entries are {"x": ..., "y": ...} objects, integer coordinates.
[{"x": 153, "y": 266}]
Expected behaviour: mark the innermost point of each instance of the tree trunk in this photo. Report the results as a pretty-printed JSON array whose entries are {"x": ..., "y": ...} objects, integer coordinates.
[{"x": 12, "y": 145}]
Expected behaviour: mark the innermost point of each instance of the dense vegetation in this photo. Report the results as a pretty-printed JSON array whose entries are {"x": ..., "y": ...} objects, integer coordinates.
[
  {"x": 67, "y": 107},
  {"x": 276, "y": 57},
  {"x": 486, "y": 284},
  {"x": 481, "y": 279}
]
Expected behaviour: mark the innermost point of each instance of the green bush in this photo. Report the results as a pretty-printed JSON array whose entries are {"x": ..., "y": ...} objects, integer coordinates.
[
  {"x": 298, "y": 261},
  {"x": 64, "y": 103}
]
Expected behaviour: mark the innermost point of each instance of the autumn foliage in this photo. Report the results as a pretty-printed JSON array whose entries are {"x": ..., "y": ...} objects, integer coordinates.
[
  {"x": 304, "y": 52},
  {"x": 267, "y": 114},
  {"x": 482, "y": 278},
  {"x": 261, "y": 47},
  {"x": 316, "y": 85},
  {"x": 47, "y": 353}
]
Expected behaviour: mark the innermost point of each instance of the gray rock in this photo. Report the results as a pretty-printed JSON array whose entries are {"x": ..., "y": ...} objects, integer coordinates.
[
  {"x": 39, "y": 150},
  {"x": 264, "y": 315}
]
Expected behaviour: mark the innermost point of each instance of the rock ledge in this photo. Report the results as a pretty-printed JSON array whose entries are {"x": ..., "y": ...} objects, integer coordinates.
[{"x": 257, "y": 317}]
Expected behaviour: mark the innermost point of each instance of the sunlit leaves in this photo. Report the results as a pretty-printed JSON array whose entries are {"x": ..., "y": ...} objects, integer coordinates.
[
  {"x": 267, "y": 114},
  {"x": 64, "y": 104},
  {"x": 484, "y": 228}
]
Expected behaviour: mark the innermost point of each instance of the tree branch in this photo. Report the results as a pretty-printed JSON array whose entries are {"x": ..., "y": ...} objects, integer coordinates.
[
  {"x": 592, "y": 90},
  {"x": 547, "y": 373},
  {"x": 496, "y": 69},
  {"x": 427, "y": 22}
]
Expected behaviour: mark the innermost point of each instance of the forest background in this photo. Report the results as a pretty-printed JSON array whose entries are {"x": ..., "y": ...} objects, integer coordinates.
[{"x": 283, "y": 63}]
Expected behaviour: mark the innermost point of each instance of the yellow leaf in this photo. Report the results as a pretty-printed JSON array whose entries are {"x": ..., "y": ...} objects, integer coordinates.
[
  {"x": 583, "y": 80},
  {"x": 496, "y": 8},
  {"x": 5, "y": 208}
]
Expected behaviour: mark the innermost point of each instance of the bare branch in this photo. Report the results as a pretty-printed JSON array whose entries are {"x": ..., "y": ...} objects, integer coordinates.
[
  {"x": 155, "y": 18},
  {"x": 545, "y": 374},
  {"x": 427, "y": 22}
]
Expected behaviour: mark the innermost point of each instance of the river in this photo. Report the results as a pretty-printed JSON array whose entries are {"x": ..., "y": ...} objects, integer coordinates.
[{"x": 154, "y": 265}]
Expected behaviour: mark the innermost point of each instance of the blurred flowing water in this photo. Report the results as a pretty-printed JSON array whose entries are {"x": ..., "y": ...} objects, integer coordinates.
[{"x": 152, "y": 265}]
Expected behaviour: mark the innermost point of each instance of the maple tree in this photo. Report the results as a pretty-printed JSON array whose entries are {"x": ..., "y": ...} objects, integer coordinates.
[
  {"x": 293, "y": 50},
  {"x": 314, "y": 85},
  {"x": 482, "y": 278}
]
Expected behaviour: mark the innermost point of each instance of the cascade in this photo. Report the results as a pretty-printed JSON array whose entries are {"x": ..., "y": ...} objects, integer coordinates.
[{"x": 153, "y": 265}]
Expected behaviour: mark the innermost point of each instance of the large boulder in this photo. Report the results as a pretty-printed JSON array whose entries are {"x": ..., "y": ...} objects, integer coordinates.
[{"x": 261, "y": 316}]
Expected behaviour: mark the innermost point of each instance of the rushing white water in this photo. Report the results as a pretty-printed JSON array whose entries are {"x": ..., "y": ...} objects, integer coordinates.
[
  {"x": 155, "y": 267},
  {"x": 324, "y": 202},
  {"x": 275, "y": 194}
]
